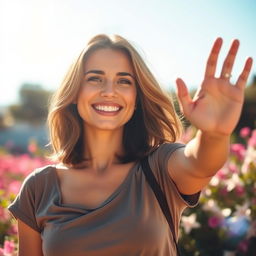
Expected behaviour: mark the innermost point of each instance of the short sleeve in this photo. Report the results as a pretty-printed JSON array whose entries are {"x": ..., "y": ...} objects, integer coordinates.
[
  {"x": 159, "y": 160},
  {"x": 23, "y": 207}
]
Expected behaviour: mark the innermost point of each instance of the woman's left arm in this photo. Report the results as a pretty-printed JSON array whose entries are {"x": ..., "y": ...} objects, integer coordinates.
[{"x": 214, "y": 111}]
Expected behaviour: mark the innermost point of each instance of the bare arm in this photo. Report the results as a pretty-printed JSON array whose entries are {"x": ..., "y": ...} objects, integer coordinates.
[
  {"x": 30, "y": 242},
  {"x": 215, "y": 111}
]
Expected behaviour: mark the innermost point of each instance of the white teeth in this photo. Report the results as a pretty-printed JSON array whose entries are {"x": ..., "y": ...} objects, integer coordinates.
[{"x": 106, "y": 108}]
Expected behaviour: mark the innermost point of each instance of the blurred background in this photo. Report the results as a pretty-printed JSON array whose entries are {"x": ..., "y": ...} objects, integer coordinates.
[{"x": 39, "y": 40}]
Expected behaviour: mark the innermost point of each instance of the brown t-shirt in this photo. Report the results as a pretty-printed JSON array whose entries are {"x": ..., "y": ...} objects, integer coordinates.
[{"x": 128, "y": 223}]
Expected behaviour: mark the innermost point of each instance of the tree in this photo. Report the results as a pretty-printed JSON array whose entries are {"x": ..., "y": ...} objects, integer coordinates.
[{"x": 33, "y": 104}]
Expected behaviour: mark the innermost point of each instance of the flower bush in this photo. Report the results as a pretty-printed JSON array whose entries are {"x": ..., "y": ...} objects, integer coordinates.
[
  {"x": 224, "y": 222},
  {"x": 13, "y": 170}
]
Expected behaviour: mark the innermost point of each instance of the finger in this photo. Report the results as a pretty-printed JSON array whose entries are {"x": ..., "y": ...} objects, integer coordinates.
[
  {"x": 229, "y": 61},
  {"x": 212, "y": 60},
  {"x": 183, "y": 95},
  {"x": 242, "y": 79}
]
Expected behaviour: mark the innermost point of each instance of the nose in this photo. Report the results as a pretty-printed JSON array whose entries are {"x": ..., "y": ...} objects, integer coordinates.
[{"x": 108, "y": 89}]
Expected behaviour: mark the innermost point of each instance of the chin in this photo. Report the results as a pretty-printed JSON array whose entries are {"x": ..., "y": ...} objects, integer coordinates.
[{"x": 104, "y": 126}]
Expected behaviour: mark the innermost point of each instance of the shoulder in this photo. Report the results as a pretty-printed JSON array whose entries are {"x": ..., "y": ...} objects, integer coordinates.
[
  {"x": 162, "y": 154},
  {"x": 159, "y": 158},
  {"x": 161, "y": 162},
  {"x": 169, "y": 147},
  {"x": 35, "y": 189},
  {"x": 38, "y": 177},
  {"x": 41, "y": 172},
  {"x": 39, "y": 184}
]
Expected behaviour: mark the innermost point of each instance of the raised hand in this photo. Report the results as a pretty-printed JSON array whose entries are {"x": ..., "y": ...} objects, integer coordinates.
[{"x": 217, "y": 104}]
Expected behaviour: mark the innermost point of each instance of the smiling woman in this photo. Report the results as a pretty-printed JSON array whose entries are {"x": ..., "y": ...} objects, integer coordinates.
[
  {"x": 110, "y": 124},
  {"x": 111, "y": 66}
]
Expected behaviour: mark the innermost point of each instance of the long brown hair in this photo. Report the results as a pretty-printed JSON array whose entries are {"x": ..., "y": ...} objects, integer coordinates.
[{"x": 153, "y": 123}]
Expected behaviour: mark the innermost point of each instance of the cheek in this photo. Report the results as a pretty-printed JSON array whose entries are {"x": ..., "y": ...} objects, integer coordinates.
[
  {"x": 85, "y": 94},
  {"x": 131, "y": 98},
  {"x": 82, "y": 101},
  {"x": 87, "y": 90}
]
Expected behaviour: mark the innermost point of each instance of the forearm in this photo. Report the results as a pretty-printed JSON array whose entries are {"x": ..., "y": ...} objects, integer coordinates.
[{"x": 207, "y": 153}]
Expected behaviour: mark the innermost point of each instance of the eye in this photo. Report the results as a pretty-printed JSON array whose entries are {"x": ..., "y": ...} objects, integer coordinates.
[
  {"x": 124, "y": 81},
  {"x": 95, "y": 79}
]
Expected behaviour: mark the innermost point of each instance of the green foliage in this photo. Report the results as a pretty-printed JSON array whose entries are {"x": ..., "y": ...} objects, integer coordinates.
[{"x": 33, "y": 104}]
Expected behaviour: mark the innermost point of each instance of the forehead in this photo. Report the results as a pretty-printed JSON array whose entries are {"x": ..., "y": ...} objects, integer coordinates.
[{"x": 108, "y": 59}]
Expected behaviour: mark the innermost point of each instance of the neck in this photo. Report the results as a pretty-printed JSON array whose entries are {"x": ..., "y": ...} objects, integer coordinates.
[{"x": 101, "y": 147}]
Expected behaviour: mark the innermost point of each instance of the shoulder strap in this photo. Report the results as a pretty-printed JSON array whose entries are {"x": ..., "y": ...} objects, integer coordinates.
[{"x": 160, "y": 196}]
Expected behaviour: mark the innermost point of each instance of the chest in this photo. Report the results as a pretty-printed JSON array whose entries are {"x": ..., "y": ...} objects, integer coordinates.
[
  {"x": 89, "y": 190},
  {"x": 131, "y": 223}
]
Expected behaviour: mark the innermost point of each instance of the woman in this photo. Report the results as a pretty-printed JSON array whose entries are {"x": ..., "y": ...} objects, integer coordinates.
[{"x": 107, "y": 115}]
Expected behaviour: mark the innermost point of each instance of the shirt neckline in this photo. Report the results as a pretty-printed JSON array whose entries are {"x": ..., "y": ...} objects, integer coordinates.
[{"x": 122, "y": 186}]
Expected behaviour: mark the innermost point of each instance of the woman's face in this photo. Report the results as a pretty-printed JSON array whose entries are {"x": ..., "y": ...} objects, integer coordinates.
[{"x": 107, "y": 97}]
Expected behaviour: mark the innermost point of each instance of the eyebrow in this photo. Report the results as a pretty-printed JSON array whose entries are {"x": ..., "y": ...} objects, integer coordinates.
[{"x": 100, "y": 72}]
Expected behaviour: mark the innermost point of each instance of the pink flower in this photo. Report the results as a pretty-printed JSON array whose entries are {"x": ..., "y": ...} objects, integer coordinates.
[
  {"x": 13, "y": 230},
  {"x": 9, "y": 247},
  {"x": 4, "y": 215},
  {"x": 222, "y": 174},
  {"x": 32, "y": 147},
  {"x": 2, "y": 183},
  {"x": 238, "y": 150},
  {"x": 223, "y": 191},
  {"x": 214, "y": 222},
  {"x": 14, "y": 187},
  {"x": 239, "y": 190},
  {"x": 243, "y": 246},
  {"x": 233, "y": 168},
  {"x": 245, "y": 132}
]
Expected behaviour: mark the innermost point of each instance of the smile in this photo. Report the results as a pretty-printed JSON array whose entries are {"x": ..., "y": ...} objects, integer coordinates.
[{"x": 106, "y": 108}]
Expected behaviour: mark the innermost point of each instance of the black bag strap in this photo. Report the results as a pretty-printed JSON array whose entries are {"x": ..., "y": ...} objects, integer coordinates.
[{"x": 160, "y": 197}]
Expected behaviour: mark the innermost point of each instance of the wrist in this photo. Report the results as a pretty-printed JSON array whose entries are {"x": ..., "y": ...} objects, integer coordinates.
[{"x": 213, "y": 135}]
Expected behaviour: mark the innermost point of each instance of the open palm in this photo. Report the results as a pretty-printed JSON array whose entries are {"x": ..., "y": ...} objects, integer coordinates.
[{"x": 217, "y": 104}]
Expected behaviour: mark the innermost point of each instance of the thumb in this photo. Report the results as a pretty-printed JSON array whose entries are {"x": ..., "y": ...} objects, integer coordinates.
[{"x": 183, "y": 96}]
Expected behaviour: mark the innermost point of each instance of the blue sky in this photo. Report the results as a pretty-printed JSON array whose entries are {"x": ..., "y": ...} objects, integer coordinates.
[{"x": 40, "y": 38}]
